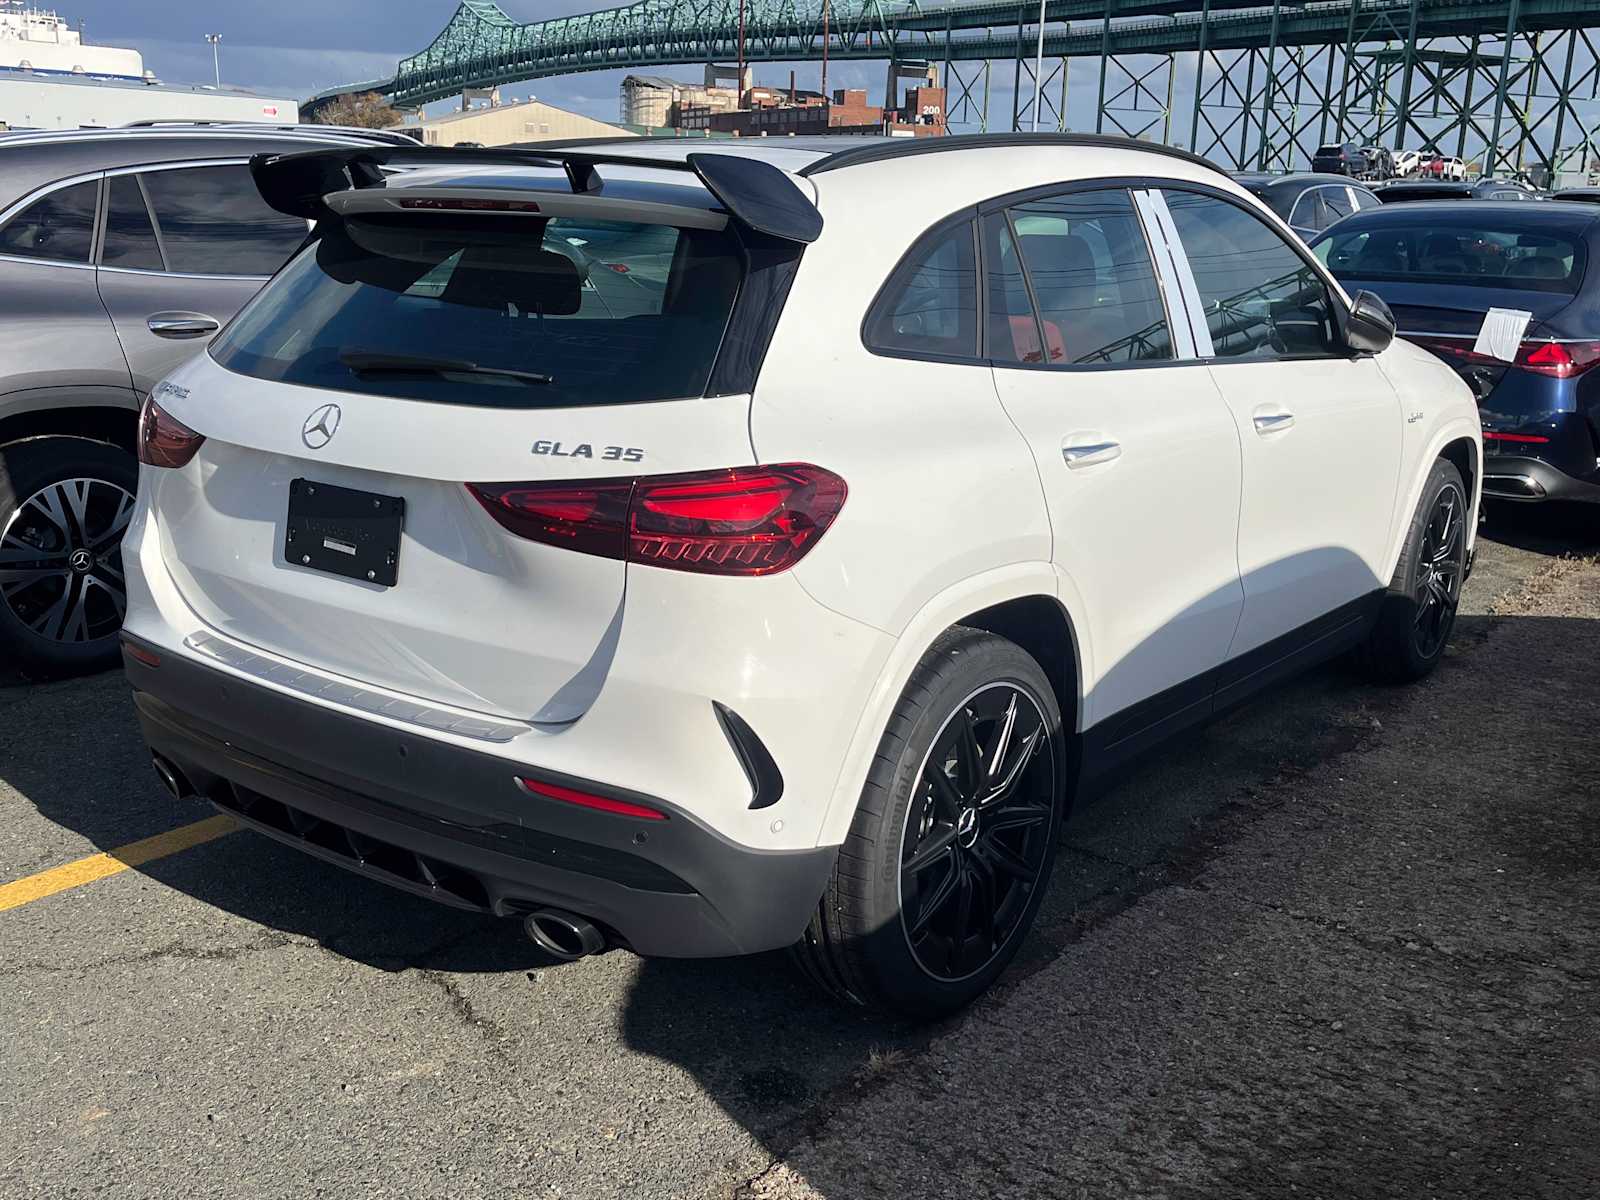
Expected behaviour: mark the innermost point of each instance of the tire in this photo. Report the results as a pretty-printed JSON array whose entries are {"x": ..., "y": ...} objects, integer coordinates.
[
  {"x": 980, "y": 843},
  {"x": 1419, "y": 608},
  {"x": 64, "y": 504}
]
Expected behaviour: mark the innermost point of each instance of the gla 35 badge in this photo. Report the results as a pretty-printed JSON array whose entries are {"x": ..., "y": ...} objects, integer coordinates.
[{"x": 630, "y": 454}]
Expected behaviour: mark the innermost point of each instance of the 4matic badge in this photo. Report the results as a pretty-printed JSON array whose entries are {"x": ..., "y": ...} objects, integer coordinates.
[{"x": 630, "y": 454}]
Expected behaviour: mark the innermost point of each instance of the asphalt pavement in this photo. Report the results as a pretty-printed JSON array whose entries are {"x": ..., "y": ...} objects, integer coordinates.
[{"x": 1344, "y": 943}]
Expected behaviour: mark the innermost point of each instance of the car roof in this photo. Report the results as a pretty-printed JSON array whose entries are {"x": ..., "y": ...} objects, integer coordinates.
[
  {"x": 1255, "y": 180},
  {"x": 1570, "y": 218},
  {"x": 31, "y": 160},
  {"x": 812, "y": 155}
]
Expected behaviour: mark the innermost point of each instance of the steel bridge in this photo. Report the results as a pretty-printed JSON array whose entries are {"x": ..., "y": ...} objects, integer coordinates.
[{"x": 1511, "y": 82}]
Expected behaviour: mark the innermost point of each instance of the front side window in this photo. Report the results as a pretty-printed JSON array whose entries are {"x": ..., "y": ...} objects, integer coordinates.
[
  {"x": 58, "y": 227},
  {"x": 214, "y": 222},
  {"x": 1259, "y": 297},
  {"x": 932, "y": 306},
  {"x": 1089, "y": 265},
  {"x": 507, "y": 312}
]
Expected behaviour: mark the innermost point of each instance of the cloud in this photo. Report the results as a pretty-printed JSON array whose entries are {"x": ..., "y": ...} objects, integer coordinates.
[{"x": 288, "y": 71}]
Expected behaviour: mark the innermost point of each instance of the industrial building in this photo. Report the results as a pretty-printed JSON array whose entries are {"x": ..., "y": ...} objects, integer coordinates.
[
  {"x": 497, "y": 124},
  {"x": 54, "y": 102},
  {"x": 658, "y": 102},
  {"x": 51, "y": 79}
]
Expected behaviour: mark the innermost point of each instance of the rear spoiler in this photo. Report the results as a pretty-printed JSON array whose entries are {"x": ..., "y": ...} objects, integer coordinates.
[{"x": 756, "y": 194}]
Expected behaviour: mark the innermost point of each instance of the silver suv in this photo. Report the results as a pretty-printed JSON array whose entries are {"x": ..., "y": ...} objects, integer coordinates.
[{"x": 121, "y": 252}]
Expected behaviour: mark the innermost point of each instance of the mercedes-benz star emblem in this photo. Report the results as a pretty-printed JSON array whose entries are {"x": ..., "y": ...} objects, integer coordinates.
[
  {"x": 320, "y": 426},
  {"x": 81, "y": 561}
]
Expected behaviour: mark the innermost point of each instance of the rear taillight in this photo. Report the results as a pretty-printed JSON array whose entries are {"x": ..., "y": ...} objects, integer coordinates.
[
  {"x": 165, "y": 441},
  {"x": 1528, "y": 438},
  {"x": 1560, "y": 360},
  {"x": 740, "y": 521}
]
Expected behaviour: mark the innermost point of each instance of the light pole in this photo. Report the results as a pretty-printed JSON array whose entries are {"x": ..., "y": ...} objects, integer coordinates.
[
  {"x": 216, "y": 63},
  {"x": 1038, "y": 69}
]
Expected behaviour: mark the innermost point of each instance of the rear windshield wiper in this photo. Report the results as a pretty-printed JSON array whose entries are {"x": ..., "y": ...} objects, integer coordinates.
[{"x": 376, "y": 362}]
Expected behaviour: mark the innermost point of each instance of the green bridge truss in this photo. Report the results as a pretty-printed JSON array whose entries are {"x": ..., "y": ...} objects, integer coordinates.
[{"x": 1515, "y": 81}]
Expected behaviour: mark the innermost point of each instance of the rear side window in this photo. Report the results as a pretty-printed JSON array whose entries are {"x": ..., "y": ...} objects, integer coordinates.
[
  {"x": 1091, "y": 276},
  {"x": 1260, "y": 298},
  {"x": 1476, "y": 255},
  {"x": 58, "y": 227},
  {"x": 214, "y": 222},
  {"x": 931, "y": 306},
  {"x": 1013, "y": 335},
  {"x": 130, "y": 240},
  {"x": 529, "y": 313}
]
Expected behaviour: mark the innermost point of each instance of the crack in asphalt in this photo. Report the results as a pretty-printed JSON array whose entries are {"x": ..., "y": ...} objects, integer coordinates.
[
  {"x": 272, "y": 941},
  {"x": 462, "y": 1007}
]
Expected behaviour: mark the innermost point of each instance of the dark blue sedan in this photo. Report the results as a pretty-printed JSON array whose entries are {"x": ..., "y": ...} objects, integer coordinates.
[{"x": 1441, "y": 266}]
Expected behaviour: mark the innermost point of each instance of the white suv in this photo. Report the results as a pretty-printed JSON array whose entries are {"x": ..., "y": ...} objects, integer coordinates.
[{"x": 708, "y": 552}]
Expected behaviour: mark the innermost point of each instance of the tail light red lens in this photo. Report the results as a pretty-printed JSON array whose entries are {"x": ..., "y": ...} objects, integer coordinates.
[
  {"x": 1560, "y": 360},
  {"x": 739, "y": 521},
  {"x": 1529, "y": 438},
  {"x": 165, "y": 441}
]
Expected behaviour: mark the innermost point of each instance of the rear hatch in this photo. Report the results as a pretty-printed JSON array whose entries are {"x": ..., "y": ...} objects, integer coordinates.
[
  {"x": 405, "y": 354},
  {"x": 1441, "y": 268}
]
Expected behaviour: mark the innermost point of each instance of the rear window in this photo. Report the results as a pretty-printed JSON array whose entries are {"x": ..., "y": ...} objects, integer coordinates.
[
  {"x": 1462, "y": 256},
  {"x": 506, "y": 312}
]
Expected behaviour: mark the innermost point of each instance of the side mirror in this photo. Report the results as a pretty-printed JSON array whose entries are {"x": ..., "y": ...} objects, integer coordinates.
[{"x": 1369, "y": 326}]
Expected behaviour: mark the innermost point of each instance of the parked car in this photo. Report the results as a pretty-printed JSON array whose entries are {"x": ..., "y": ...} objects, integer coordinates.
[
  {"x": 121, "y": 252},
  {"x": 666, "y": 630},
  {"x": 1442, "y": 267},
  {"x": 1406, "y": 190},
  {"x": 1379, "y": 163},
  {"x": 1441, "y": 166},
  {"x": 1503, "y": 189},
  {"x": 1406, "y": 162},
  {"x": 1308, "y": 203},
  {"x": 1346, "y": 158}
]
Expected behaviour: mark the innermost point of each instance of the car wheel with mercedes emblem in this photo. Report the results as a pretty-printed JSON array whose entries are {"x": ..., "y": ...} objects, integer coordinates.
[
  {"x": 64, "y": 504},
  {"x": 605, "y": 539}
]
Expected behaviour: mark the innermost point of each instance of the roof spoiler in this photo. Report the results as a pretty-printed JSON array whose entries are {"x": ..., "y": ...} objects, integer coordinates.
[{"x": 756, "y": 194}]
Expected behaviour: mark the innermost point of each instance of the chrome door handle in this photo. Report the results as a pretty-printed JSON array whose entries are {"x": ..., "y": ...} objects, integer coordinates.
[
  {"x": 1087, "y": 454},
  {"x": 1272, "y": 422},
  {"x": 179, "y": 325}
]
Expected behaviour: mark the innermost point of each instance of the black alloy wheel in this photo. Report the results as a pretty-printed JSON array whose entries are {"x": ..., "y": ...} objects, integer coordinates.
[
  {"x": 1441, "y": 567},
  {"x": 61, "y": 560},
  {"x": 976, "y": 840}
]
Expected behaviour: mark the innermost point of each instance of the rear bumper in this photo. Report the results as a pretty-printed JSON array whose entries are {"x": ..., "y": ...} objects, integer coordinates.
[
  {"x": 1518, "y": 477},
  {"x": 450, "y": 823}
]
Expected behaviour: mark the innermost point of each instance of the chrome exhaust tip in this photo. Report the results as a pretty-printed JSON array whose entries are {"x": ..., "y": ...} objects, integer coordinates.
[
  {"x": 563, "y": 935},
  {"x": 171, "y": 778}
]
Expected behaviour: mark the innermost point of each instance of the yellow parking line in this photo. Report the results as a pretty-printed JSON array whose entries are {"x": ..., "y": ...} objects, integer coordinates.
[{"x": 112, "y": 862}]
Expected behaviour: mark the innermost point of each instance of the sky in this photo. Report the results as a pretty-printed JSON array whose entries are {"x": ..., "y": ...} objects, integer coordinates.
[{"x": 295, "y": 48}]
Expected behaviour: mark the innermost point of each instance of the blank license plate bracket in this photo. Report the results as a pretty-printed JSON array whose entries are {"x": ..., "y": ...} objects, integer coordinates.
[{"x": 344, "y": 532}]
